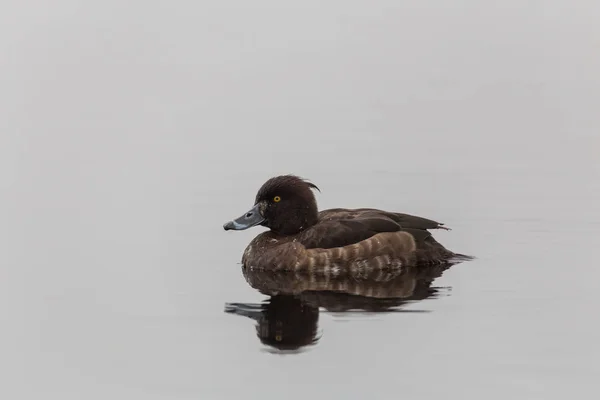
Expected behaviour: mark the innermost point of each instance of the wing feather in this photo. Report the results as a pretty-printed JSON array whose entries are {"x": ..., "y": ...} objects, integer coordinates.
[{"x": 340, "y": 227}]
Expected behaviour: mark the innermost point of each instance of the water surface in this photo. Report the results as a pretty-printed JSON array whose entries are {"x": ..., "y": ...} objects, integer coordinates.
[{"x": 131, "y": 132}]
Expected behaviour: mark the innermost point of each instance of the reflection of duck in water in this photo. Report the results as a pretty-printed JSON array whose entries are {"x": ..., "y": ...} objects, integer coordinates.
[
  {"x": 283, "y": 322},
  {"x": 288, "y": 319},
  {"x": 335, "y": 241}
]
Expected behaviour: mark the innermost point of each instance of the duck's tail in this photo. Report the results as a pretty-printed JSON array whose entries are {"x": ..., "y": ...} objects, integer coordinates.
[{"x": 430, "y": 252}]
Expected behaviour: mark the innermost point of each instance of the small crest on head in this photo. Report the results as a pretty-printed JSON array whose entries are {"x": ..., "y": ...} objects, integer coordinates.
[
  {"x": 312, "y": 186},
  {"x": 307, "y": 183}
]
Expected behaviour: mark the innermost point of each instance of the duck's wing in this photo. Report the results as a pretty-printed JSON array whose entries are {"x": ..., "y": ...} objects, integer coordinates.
[
  {"x": 340, "y": 232},
  {"x": 404, "y": 220},
  {"x": 343, "y": 232}
]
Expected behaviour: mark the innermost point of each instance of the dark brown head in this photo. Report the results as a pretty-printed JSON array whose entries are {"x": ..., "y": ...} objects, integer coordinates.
[{"x": 285, "y": 204}]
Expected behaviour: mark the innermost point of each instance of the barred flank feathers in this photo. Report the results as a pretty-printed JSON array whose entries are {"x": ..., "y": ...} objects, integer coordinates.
[{"x": 388, "y": 250}]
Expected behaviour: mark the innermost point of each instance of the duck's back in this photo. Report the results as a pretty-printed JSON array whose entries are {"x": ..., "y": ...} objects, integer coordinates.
[
  {"x": 340, "y": 227},
  {"x": 403, "y": 220}
]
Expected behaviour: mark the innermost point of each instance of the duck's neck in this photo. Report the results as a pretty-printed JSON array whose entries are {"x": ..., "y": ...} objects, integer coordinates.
[{"x": 302, "y": 220}]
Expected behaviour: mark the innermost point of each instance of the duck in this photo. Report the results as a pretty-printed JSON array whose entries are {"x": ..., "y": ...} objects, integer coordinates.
[{"x": 334, "y": 241}]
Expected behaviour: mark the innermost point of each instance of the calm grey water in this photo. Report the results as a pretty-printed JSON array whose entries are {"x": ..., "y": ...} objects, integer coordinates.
[{"x": 130, "y": 132}]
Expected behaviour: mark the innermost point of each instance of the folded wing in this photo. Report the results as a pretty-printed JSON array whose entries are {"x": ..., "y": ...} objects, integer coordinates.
[{"x": 342, "y": 227}]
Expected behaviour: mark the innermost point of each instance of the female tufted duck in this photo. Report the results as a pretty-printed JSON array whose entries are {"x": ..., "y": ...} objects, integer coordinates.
[{"x": 333, "y": 241}]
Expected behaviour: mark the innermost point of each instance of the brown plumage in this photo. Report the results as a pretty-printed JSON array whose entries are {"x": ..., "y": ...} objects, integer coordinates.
[{"x": 334, "y": 241}]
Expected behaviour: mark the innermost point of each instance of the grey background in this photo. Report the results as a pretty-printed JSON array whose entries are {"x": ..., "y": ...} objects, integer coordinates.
[{"x": 130, "y": 131}]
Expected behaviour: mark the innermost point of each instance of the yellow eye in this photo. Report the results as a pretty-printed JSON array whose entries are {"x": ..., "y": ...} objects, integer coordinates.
[{"x": 276, "y": 199}]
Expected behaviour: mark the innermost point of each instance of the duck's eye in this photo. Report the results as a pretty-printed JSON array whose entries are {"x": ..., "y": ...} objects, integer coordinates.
[{"x": 276, "y": 199}]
